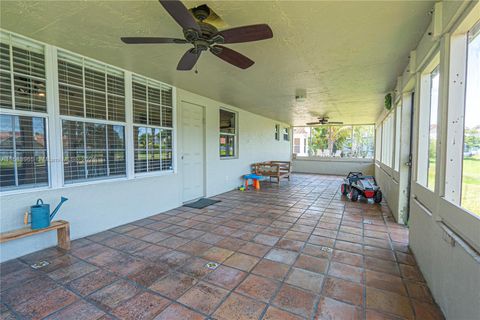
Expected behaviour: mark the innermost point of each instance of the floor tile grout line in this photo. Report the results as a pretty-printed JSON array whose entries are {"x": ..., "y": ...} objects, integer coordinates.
[
  {"x": 225, "y": 218},
  {"x": 289, "y": 270},
  {"x": 329, "y": 263},
  {"x": 249, "y": 273}
]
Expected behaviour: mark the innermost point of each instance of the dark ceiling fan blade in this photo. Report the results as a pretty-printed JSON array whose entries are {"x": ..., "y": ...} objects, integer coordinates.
[
  {"x": 247, "y": 33},
  {"x": 188, "y": 60},
  {"x": 313, "y": 123},
  {"x": 151, "y": 40},
  {"x": 232, "y": 57},
  {"x": 335, "y": 122},
  {"x": 180, "y": 14}
]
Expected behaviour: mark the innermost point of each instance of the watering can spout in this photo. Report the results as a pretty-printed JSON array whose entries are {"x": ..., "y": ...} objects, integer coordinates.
[{"x": 62, "y": 200}]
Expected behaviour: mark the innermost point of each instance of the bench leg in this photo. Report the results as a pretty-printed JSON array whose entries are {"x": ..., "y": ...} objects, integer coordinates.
[{"x": 63, "y": 237}]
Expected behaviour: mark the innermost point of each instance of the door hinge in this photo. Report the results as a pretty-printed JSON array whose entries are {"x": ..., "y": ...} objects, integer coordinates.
[{"x": 409, "y": 162}]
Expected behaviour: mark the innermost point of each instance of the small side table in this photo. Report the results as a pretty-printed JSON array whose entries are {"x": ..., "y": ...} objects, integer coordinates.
[{"x": 255, "y": 180}]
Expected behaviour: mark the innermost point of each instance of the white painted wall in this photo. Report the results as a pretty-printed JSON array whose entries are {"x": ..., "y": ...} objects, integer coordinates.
[
  {"x": 444, "y": 238},
  {"x": 389, "y": 187},
  {"x": 96, "y": 207},
  {"x": 450, "y": 269},
  {"x": 335, "y": 166}
]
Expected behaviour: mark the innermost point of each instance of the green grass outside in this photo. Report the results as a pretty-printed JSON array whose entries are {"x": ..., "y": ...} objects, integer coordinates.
[{"x": 470, "y": 183}]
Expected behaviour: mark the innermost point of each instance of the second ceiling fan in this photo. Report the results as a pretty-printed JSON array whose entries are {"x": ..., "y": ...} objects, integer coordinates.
[
  {"x": 323, "y": 121},
  {"x": 205, "y": 36}
]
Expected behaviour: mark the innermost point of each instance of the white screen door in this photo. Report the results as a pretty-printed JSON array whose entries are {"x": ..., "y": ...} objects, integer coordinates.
[{"x": 193, "y": 151}]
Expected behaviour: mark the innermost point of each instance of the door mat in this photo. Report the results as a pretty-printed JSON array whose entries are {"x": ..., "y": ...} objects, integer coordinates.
[{"x": 202, "y": 203}]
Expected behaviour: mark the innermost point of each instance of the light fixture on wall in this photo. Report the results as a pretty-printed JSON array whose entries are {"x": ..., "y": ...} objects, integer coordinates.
[
  {"x": 300, "y": 95},
  {"x": 31, "y": 87}
]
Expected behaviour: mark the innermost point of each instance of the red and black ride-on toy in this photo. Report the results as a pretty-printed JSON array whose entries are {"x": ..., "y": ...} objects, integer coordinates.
[{"x": 356, "y": 184}]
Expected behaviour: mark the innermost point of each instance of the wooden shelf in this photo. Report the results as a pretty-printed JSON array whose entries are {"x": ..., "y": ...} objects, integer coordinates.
[{"x": 62, "y": 227}]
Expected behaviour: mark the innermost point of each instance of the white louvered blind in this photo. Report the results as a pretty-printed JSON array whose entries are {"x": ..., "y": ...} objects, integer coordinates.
[
  {"x": 23, "y": 151},
  {"x": 23, "y": 143},
  {"x": 92, "y": 96},
  {"x": 92, "y": 150},
  {"x": 89, "y": 89},
  {"x": 153, "y": 129},
  {"x": 22, "y": 74},
  {"x": 152, "y": 103}
]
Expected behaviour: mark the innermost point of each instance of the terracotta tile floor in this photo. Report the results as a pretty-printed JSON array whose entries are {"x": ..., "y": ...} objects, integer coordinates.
[{"x": 297, "y": 250}]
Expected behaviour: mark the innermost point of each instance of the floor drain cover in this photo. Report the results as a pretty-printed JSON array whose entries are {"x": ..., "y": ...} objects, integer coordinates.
[
  {"x": 40, "y": 264},
  {"x": 327, "y": 249},
  {"x": 212, "y": 265}
]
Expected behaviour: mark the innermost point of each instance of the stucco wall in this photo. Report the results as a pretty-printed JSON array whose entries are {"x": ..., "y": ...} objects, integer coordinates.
[
  {"x": 451, "y": 269},
  {"x": 95, "y": 207},
  {"x": 389, "y": 188},
  {"x": 332, "y": 166}
]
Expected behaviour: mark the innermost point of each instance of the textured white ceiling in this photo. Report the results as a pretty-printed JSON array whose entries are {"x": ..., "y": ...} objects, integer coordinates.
[{"x": 346, "y": 55}]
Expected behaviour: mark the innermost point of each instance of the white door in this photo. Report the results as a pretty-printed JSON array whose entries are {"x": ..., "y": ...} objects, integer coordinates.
[{"x": 193, "y": 149}]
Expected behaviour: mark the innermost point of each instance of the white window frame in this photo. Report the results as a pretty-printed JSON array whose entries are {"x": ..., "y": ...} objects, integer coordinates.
[
  {"x": 398, "y": 130},
  {"x": 277, "y": 132},
  {"x": 53, "y": 125},
  {"x": 421, "y": 177},
  {"x": 158, "y": 84},
  {"x": 85, "y": 60},
  {"x": 12, "y": 39},
  {"x": 310, "y": 155},
  {"x": 437, "y": 205},
  {"x": 286, "y": 134},
  {"x": 388, "y": 140},
  {"x": 378, "y": 144},
  {"x": 235, "y": 135},
  {"x": 457, "y": 216}
]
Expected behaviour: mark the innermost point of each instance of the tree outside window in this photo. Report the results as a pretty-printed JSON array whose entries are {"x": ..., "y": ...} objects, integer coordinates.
[{"x": 338, "y": 141}]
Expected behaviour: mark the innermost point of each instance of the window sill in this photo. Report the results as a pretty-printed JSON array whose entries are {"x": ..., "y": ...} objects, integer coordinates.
[
  {"x": 228, "y": 158},
  {"x": 92, "y": 182},
  {"x": 24, "y": 190},
  {"x": 153, "y": 174},
  {"x": 86, "y": 183}
]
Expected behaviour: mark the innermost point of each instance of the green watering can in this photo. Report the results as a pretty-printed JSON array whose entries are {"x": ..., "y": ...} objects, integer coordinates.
[{"x": 40, "y": 214}]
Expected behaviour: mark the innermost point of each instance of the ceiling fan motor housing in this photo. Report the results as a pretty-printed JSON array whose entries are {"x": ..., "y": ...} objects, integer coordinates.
[
  {"x": 201, "y": 12},
  {"x": 205, "y": 36},
  {"x": 202, "y": 41}
]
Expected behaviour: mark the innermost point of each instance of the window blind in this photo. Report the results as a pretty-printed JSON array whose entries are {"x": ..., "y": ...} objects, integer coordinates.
[
  {"x": 152, "y": 103},
  {"x": 90, "y": 90},
  {"x": 22, "y": 75},
  {"x": 23, "y": 143},
  {"x": 93, "y": 147},
  {"x": 92, "y": 150},
  {"x": 23, "y": 151},
  {"x": 153, "y": 149},
  {"x": 153, "y": 132}
]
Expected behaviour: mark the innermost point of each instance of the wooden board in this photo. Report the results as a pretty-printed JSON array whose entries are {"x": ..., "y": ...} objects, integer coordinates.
[{"x": 27, "y": 231}]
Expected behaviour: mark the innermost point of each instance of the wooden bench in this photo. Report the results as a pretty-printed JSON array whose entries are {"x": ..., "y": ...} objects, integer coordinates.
[
  {"x": 275, "y": 169},
  {"x": 62, "y": 227}
]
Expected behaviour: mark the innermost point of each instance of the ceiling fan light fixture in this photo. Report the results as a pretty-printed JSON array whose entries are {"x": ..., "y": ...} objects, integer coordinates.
[
  {"x": 200, "y": 30},
  {"x": 300, "y": 95}
]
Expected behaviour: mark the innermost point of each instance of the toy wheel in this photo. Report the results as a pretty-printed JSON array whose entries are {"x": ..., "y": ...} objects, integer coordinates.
[
  {"x": 378, "y": 196},
  {"x": 344, "y": 189},
  {"x": 354, "y": 194}
]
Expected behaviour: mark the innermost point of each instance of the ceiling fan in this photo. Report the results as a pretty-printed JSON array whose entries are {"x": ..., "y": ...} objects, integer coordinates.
[
  {"x": 205, "y": 36},
  {"x": 323, "y": 121}
]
